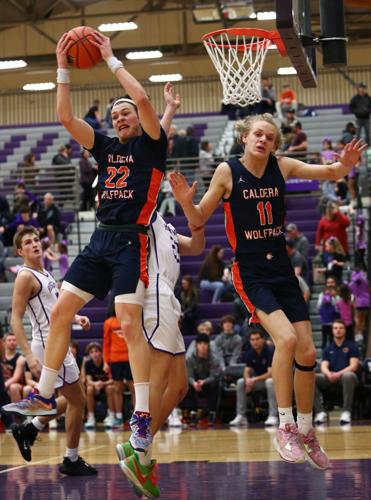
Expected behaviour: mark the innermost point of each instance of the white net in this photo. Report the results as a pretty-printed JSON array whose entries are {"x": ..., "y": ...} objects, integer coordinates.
[{"x": 239, "y": 62}]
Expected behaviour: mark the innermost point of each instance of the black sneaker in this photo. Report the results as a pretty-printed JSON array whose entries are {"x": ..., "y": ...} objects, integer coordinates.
[
  {"x": 78, "y": 468},
  {"x": 25, "y": 435}
]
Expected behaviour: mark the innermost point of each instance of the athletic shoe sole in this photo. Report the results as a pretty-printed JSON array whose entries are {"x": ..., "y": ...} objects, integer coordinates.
[
  {"x": 26, "y": 413},
  {"x": 134, "y": 481},
  {"x": 121, "y": 456},
  {"x": 278, "y": 449}
]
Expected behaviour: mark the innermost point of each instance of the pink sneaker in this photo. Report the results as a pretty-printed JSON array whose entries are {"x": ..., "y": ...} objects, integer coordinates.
[
  {"x": 288, "y": 444},
  {"x": 315, "y": 454}
]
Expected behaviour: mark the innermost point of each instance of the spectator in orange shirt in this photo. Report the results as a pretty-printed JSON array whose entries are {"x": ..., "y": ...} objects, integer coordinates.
[
  {"x": 116, "y": 359},
  {"x": 286, "y": 101}
]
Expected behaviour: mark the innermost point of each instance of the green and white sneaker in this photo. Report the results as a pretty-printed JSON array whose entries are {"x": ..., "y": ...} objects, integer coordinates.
[
  {"x": 124, "y": 450},
  {"x": 142, "y": 476}
]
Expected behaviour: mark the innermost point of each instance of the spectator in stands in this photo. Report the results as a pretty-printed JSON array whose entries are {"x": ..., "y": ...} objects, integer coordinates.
[
  {"x": 204, "y": 371},
  {"x": 13, "y": 368},
  {"x": 257, "y": 376},
  {"x": 334, "y": 259},
  {"x": 88, "y": 172},
  {"x": 108, "y": 115},
  {"x": 287, "y": 128},
  {"x": 74, "y": 347},
  {"x": 328, "y": 312},
  {"x": 339, "y": 366},
  {"x": 188, "y": 298},
  {"x": 228, "y": 343},
  {"x": 29, "y": 169},
  {"x": 69, "y": 151},
  {"x": 212, "y": 271},
  {"x": 61, "y": 158},
  {"x": 298, "y": 261},
  {"x": 304, "y": 288},
  {"x": 24, "y": 198},
  {"x": 49, "y": 218},
  {"x": 20, "y": 220},
  {"x": 205, "y": 327},
  {"x": 301, "y": 242},
  {"x": 167, "y": 206},
  {"x": 206, "y": 162},
  {"x": 360, "y": 106},
  {"x": 333, "y": 223},
  {"x": 237, "y": 148},
  {"x": 48, "y": 255},
  {"x": 349, "y": 133},
  {"x": 4, "y": 211},
  {"x": 345, "y": 306},
  {"x": 268, "y": 101},
  {"x": 171, "y": 140},
  {"x": 116, "y": 361},
  {"x": 93, "y": 116},
  {"x": 361, "y": 243},
  {"x": 360, "y": 288},
  {"x": 299, "y": 145},
  {"x": 97, "y": 382},
  {"x": 3, "y": 255},
  {"x": 287, "y": 100},
  {"x": 186, "y": 146},
  {"x": 63, "y": 263},
  {"x": 328, "y": 154}
]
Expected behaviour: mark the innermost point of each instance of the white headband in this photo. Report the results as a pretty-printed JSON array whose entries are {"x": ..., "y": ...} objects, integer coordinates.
[{"x": 123, "y": 100}]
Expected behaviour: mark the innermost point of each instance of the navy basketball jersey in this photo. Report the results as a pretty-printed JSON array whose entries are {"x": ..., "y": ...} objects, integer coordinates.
[
  {"x": 255, "y": 210},
  {"x": 129, "y": 177}
]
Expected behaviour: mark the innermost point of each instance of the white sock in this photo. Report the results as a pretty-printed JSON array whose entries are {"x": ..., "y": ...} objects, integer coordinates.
[
  {"x": 305, "y": 422},
  {"x": 91, "y": 416},
  {"x": 141, "y": 397},
  {"x": 286, "y": 416},
  {"x": 145, "y": 457},
  {"x": 47, "y": 382},
  {"x": 36, "y": 423},
  {"x": 118, "y": 415},
  {"x": 110, "y": 413},
  {"x": 72, "y": 454}
]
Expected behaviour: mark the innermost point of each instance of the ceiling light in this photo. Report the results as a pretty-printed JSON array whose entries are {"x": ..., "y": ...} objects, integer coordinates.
[
  {"x": 118, "y": 26},
  {"x": 144, "y": 54},
  {"x": 288, "y": 70},
  {"x": 266, "y": 16},
  {"x": 39, "y": 86},
  {"x": 174, "y": 77},
  {"x": 16, "y": 63}
]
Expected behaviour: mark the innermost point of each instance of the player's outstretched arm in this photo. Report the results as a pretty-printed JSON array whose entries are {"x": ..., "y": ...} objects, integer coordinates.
[
  {"x": 81, "y": 131},
  {"x": 24, "y": 288},
  {"x": 346, "y": 161},
  {"x": 147, "y": 115},
  {"x": 183, "y": 193},
  {"x": 193, "y": 245},
  {"x": 172, "y": 104}
]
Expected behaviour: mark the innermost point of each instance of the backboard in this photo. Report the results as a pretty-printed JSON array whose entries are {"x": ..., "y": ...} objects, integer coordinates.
[{"x": 294, "y": 24}]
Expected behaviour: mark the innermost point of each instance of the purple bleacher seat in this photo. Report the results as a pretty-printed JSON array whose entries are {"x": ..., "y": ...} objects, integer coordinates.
[
  {"x": 11, "y": 144},
  {"x": 20, "y": 137},
  {"x": 44, "y": 142},
  {"x": 38, "y": 149},
  {"x": 188, "y": 339},
  {"x": 6, "y": 151},
  {"x": 3, "y": 158},
  {"x": 50, "y": 135},
  {"x": 67, "y": 217},
  {"x": 214, "y": 310},
  {"x": 94, "y": 313}
]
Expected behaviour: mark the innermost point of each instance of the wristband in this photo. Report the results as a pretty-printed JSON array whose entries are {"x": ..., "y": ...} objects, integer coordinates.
[
  {"x": 63, "y": 75},
  {"x": 114, "y": 64}
]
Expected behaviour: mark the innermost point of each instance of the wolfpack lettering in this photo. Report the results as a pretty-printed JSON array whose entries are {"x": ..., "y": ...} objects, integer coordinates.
[
  {"x": 120, "y": 159},
  {"x": 118, "y": 194},
  {"x": 260, "y": 234},
  {"x": 260, "y": 193}
]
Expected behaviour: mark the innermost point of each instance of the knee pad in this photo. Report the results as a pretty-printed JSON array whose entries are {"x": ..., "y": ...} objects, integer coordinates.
[{"x": 304, "y": 368}]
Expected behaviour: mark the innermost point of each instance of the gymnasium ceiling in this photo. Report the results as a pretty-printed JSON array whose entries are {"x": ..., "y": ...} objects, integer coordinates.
[{"x": 31, "y": 28}]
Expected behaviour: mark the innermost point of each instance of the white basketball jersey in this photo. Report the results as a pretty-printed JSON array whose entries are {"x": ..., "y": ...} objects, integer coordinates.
[
  {"x": 39, "y": 306},
  {"x": 164, "y": 252}
]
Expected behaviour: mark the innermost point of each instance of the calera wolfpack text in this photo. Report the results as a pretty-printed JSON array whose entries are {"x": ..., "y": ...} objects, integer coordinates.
[{"x": 267, "y": 232}]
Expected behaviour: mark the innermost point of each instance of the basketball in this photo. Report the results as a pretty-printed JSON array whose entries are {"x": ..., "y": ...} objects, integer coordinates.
[{"x": 82, "y": 53}]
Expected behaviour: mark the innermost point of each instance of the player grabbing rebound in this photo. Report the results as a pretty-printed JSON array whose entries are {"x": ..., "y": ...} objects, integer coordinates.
[
  {"x": 252, "y": 189},
  {"x": 35, "y": 293},
  {"x": 130, "y": 171}
]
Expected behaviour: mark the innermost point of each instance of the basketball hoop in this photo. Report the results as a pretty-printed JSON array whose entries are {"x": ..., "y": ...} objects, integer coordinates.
[{"x": 238, "y": 55}]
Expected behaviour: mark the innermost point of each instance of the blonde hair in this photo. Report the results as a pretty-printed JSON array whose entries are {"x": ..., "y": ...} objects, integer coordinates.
[
  {"x": 243, "y": 127},
  {"x": 336, "y": 245}
]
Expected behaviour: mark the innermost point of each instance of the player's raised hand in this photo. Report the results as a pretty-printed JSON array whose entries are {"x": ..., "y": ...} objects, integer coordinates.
[
  {"x": 61, "y": 51},
  {"x": 183, "y": 193},
  {"x": 351, "y": 153},
  {"x": 169, "y": 98},
  {"x": 83, "y": 321},
  {"x": 103, "y": 43}
]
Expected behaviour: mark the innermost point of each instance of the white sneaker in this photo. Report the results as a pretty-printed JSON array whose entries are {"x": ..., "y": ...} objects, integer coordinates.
[
  {"x": 174, "y": 419},
  {"x": 90, "y": 423},
  {"x": 238, "y": 420},
  {"x": 108, "y": 421},
  {"x": 345, "y": 417},
  {"x": 358, "y": 338},
  {"x": 321, "y": 418},
  {"x": 271, "y": 420},
  {"x": 53, "y": 424}
]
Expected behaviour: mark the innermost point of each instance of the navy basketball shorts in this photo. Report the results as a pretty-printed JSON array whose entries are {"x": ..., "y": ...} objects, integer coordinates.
[
  {"x": 269, "y": 284},
  {"x": 114, "y": 261},
  {"x": 120, "y": 370}
]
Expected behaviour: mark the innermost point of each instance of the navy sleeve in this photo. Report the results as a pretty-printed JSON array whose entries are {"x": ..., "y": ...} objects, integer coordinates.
[
  {"x": 248, "y": 359},
  {"x": 325, "y": 354},
  {"x": 270, "y": 357},
  {"x": 353, "y": 350}
]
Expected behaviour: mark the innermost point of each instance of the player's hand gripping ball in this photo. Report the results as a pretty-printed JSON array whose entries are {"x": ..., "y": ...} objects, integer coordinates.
[{"x": 82, "y": 53}]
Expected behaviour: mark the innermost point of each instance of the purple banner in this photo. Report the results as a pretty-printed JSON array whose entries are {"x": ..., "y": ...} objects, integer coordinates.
[{"x": 301, "y": 185}]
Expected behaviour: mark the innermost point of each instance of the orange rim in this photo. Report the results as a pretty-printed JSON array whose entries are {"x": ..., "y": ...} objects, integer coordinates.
[{"x": 269, "y": 36}]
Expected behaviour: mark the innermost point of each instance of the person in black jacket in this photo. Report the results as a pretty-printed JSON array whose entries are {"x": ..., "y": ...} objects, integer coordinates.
[{"x": 360, "y": 105}]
